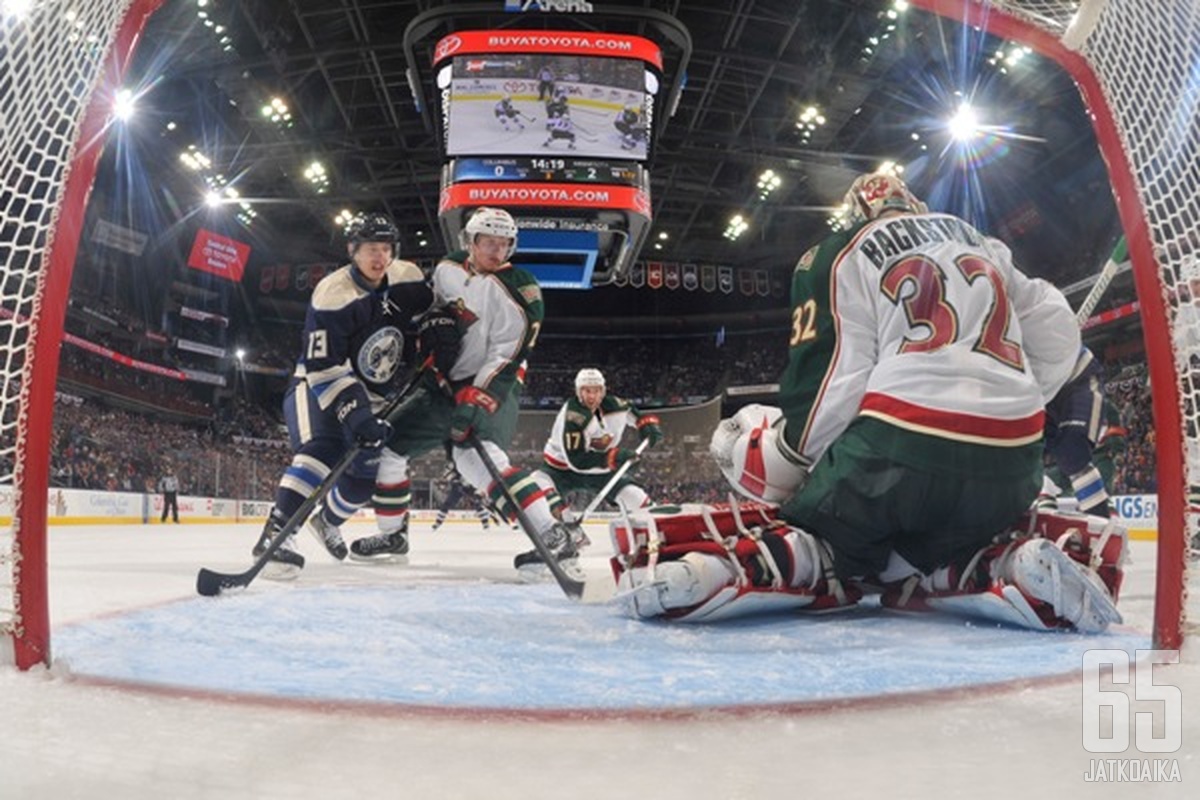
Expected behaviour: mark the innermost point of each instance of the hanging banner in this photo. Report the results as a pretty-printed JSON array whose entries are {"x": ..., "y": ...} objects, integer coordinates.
[
  {"x": 120, "y": 238},
  {"x": 637, "y": 274},
  {"x": 708, "y": 277},
  {"x": 671, "y": 275},
  {"x": 690, "y": 278},
  {"x": 725, "y": 279},
  {"x": 654, "y": 274},
  {"x": 778, "y": 286},
  {"x": 762, "y": 282},
  {"x": 746, "y": 282},
  {"x": 219, "y": 255},
  {"x": 621, "y": 279},
  {"x": 203, "y": 316}
]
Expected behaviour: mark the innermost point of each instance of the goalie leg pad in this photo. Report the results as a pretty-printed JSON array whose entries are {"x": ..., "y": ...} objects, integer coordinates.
[
  {"x": 1101, "y": 543},
  {"x": 1073, "y": 592},
  {"x": 682, "y": 583}
]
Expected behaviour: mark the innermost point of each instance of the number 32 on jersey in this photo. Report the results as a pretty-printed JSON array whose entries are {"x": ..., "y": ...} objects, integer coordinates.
[{"x": 919, "y": 286}]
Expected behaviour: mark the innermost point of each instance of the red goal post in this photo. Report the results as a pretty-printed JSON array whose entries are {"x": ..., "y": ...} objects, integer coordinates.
[
  {"x": 60, "y": 66},
  {"x": 1134, "y": 63}
]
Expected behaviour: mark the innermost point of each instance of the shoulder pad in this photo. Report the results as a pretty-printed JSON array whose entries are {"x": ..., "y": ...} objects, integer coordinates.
[
  {"x": 400, "y": 271},
  {"x": 336, "y": 290},
  {"x": 523, "y": 283},
  {"x": 613, "y": 403}
]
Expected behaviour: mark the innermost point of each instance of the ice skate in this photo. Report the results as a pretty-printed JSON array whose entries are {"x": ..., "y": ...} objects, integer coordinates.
[
  {"x": 285, "y": 563},
  {"x": 563, "y": 541},
  {"x": 327, "y": 534},
  {"x": 382, "y": 547}
]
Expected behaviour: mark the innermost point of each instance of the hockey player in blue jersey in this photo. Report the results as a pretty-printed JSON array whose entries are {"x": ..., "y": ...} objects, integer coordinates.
[
  {"x": 353, "y": 351},
  {"x": 1073, "y": 422}
]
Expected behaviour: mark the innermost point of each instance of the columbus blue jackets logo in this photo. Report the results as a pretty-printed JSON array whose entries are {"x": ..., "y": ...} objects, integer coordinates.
[{"x": 380, "y": 355}]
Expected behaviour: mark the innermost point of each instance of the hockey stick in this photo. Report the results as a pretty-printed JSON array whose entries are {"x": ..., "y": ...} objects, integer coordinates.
[
  {"x": 608, "y": 487},
  {"x": 1103, "y": 279},
  {"x": 526, "y": 116},
  {"x": 210, "y": 583},
  {"x": 571, "y": 587}
]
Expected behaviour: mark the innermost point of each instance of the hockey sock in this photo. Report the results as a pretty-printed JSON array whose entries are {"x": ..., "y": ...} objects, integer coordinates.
[
  {"x": 391, "y": 502},
  {"x": 1089, "y": 489}
]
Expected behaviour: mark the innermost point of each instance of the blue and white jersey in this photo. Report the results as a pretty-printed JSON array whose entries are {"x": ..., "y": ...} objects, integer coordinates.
[{"x": 354, "y": 334}]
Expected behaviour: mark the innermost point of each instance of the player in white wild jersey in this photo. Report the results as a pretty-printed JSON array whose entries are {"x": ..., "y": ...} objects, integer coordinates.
[
  {"x": 910, "y": 434},
  {"x": 497, "y": 310},
  {"x": 584, "y": 448}
]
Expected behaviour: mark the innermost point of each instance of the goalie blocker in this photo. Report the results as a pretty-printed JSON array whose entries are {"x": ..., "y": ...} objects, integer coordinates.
[{"x": 699, "y": 563}]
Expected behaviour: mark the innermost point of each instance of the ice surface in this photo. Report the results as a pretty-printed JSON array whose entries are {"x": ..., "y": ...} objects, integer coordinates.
[{"x": 331, "y": 687}]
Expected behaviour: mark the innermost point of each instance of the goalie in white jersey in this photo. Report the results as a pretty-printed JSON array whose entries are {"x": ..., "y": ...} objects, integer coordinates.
[{"x": 910, "y": 435}]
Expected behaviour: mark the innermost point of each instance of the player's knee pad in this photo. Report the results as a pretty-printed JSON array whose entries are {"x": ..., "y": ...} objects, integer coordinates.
[{"x": 749, "y": 449}]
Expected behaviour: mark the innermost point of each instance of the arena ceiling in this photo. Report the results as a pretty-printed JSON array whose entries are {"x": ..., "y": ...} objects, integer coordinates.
[{"x": 884, "y": 78}]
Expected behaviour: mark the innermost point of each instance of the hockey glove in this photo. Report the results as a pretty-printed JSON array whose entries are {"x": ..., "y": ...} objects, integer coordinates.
[
  {"x": 618, "y": 456},
  {"x": 368, "y": 430},
  {"x": 474, "y": 406},
  {"x": 438, "y": 337},
  {"x": 648, "y": 428}
]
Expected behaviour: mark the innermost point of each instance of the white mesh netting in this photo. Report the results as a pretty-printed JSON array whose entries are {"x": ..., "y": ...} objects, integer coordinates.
[
  {"x": 51, "y": 56},
  {"x": 1145, "y": 55},
  {"x": 1146, "y": 59}
]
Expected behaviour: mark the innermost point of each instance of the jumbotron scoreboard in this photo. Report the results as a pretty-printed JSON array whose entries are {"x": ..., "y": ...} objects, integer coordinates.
[{"x": 557, "y": 128}]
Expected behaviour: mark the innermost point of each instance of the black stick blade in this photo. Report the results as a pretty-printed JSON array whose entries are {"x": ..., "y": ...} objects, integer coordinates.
[{"x": 211, "y": 584}]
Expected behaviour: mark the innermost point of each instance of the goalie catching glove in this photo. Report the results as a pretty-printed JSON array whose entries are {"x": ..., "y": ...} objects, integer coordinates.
[
  {"x": 474, "y": 405},
  {"x": 367, "y": 429},
  {"x": 750, "y": 451},
  {"x": 439, "y": 339}
]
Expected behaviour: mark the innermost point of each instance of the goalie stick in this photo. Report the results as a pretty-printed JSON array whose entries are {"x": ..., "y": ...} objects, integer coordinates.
[
  {"x": 608, "y": 487},
  {"x": 210, "y": 583},
  {"x": 571, "y": 587},
  {"x": 1103, "y": 279}
]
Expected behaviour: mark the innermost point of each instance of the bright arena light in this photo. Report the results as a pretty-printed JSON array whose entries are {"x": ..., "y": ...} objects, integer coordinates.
[
  {"x": 212, "y": 199},
  {"x": 17, "y": 9},
  {"x": 964, "y": 124},
  {"x": 124, "y": 104}
]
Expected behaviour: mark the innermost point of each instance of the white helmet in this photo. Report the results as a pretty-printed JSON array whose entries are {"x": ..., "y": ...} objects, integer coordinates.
[
  {"x": 492, "y": 222},
  {"x": 873, "y": 194},
  {"x": 746, "y": 448},
  {"x": 588, "y": 377}
]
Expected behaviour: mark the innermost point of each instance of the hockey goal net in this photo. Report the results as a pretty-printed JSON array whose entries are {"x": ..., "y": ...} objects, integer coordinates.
[
  {"x": 60, "y": 64},
  {"x": 1134, "y": 63}
]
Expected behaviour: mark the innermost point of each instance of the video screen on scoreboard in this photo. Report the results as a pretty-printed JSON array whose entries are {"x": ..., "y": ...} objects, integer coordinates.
[{"x": 549, "y": 105}]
